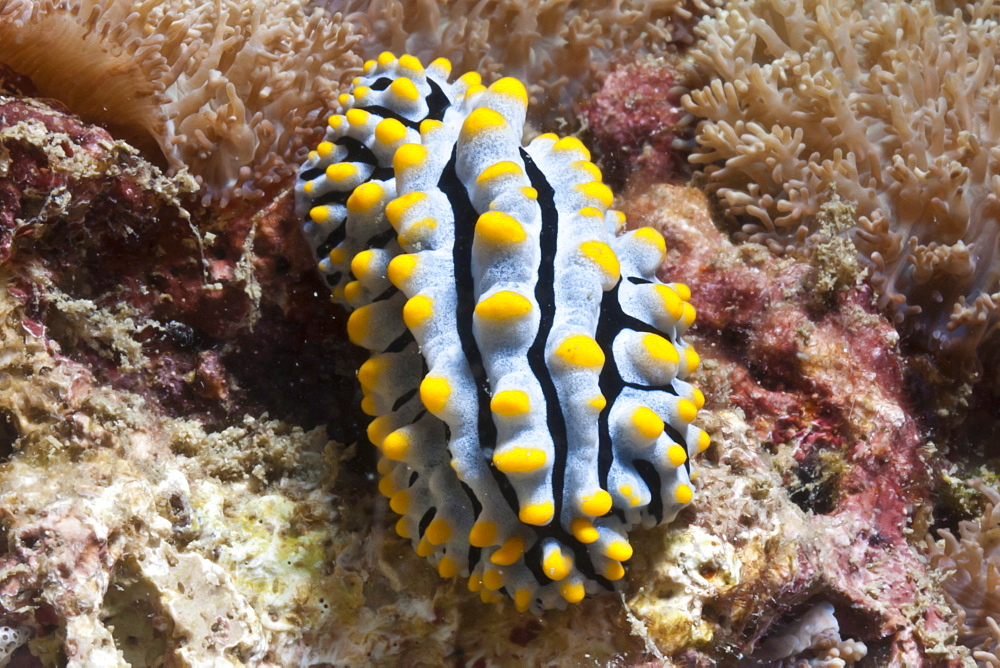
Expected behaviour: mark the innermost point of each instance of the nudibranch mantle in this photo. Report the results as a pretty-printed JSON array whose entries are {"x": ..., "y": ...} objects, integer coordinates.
[{"x": 527, "y": 368}]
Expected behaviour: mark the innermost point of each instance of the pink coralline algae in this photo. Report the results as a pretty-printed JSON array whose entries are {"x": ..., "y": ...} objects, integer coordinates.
[{"x": 635, "y": 119}]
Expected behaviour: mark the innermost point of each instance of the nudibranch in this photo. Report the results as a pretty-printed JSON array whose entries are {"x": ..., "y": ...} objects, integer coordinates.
[{"x": 527, "y": 368}]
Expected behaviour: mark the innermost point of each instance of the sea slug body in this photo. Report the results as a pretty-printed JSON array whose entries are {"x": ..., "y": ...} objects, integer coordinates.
[{"x": 527, "y": 368}]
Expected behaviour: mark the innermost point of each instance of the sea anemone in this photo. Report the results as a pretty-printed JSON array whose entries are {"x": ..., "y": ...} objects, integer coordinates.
[
  {"x": 231, "y": 90},
  {"x": 895, "y": 106},
  {"x": 556, "y": 48},
  {"x": 972, "y": 585}
]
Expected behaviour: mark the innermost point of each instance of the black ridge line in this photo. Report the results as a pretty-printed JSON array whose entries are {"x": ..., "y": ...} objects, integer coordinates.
[
  {"x": 386, "y": 294},
  {"x": 381, "y": 83},
  {"x": 332, "y": 240},
  {"x": 651, "y": 477},
  {"x": 437, "y": 104},
  {"x": 332, "y": 197},
  {"x": 611, "y": 322},
  {"x": 333, "y": 279},
  {"x": 635, "y": 280},
  {"x": 545, "y": 296},
  {"x": 465, "y": 223},
  {"x": 475, "y": 553},
  {"x": 425, "y": 521},
  {"x": 382, "y": 239},
  {"x": 403, "y": 340},
  {"x": 405, "y": 397},
  {"x": 610, "y": 381}
]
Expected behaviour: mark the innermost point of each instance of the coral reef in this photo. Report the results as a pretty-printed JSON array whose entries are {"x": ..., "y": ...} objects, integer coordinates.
[
  {"x": 168, "y": 492},
  {"x": 891, "y": 103},
  {"x": 229, "y": 90},
  {"x": 972, "y": 563},
  {"x": 557, "y": 48}
]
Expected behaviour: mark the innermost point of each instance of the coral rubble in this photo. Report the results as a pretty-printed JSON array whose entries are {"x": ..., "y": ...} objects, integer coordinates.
[{"x": 892, "y": 103}]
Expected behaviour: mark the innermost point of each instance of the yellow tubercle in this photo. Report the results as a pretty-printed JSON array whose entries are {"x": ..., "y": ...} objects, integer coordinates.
[
  {"x": 401, "y": 268},
  {"x": 509, "y": 552},
  {"x": 647, "y": 423},
  {"x": 395, "y": 445},
  {"x": 442, "y": 64},
  {"x": 482, "y": 120},
  {"x": 325, "y": 148},
  {"x": 619, "y": 550},
  {"x": 692, "y": 360},
  {"x": 522, "y": 599},
  {"x": 698, "y": 398},
  {"x": 511, "y": 87},
  {"x": 424, "y": 548},
  {"x": 438, "y": 532},
  {"x": 584, "y": 531},
  {"x": 492, "y": 579},
  {"x": 416, "y": 311},
  {"x": 571, "y": 144},
  {"x": 539, "y": 514},
  {"x": 671, "y": 301},
  {"x": 361, "y": 262},
  {"x": 400, "y": 501},
  {"x": 556, "y": 565},
  {"x": 499, "y": 228},
  {"x": 390, "y": 131},
  {"x": 510, "y": 403},
  {"x": 386, "y": 58},
  {"x": 357, "y": 325},
  {"x": 319, "y": 214},
  {"x": 341, "y": 171},
  {"x": 598, "y": 191},
  {"x": 592, "y": 170},
  {"x": 614, "y": 571},
  {"x": 601, "y": 254},
  {"x": 683, "y": 291},
  {"x": 581, "y": 351},
  {"x": 409, "y": 156},
  {"x": 519, "y": 460},
  {"x": 447, "y": 568},
  {"x": 573, "y": 592},
  {"x": 397, "y": 208},
  {"x": 498, "y": 170},
  {"x": 482, "y": 534},
  {"x": 412, "y": 63},
  {"x": 660, "y": 349},
  {"x": 686, "y": 410},
  {"x": 357, "y": 117},
  {"x": 434, "y": 393},
  {"x": 503, "y": 305},
  {"x": 677, "y": 455},
  {"x": 683, "y": 493},
  {"x": 353, "y": 291},
  {"x": 654, "y": 239},
  {"x": 370, "y": 371},
  {"x": 404, "y": 89},
  {"x": 704, "y": 440},
  {"x": 597, "y": 504}
]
